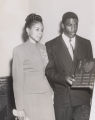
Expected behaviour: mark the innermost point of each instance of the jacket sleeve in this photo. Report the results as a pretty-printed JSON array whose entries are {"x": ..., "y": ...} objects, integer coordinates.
[
  {"x": 53, "y": 75},
  {"x": 90, "y": 52},
  {"x": 17, "y": 72}
]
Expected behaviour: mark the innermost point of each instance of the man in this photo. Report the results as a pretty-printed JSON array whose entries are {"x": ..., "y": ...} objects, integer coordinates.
[{"x": 69, "y": 103}]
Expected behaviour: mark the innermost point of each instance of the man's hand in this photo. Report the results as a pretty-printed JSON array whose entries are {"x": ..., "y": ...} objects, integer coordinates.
[{"x": 70, "y": 80}]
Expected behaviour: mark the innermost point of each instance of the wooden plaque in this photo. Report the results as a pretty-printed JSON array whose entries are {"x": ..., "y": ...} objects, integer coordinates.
[{"x": 84, "y": 75}]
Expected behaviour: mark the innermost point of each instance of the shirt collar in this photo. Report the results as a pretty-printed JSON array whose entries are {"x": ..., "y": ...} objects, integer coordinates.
[{"x": 66, "y": 40}]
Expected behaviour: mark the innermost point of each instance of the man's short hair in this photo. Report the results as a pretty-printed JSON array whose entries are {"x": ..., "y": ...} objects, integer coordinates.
[{"x": 69, "y": 15}]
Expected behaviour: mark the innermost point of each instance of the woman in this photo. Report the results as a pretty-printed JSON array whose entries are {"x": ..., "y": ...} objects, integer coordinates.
[{"x": 32, "y": 92}]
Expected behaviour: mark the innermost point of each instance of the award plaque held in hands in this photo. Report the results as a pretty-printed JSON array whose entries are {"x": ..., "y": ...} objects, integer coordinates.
[{"x": 85, "y": 75}]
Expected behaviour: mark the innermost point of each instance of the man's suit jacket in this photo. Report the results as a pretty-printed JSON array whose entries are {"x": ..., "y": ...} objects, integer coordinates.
[{"x": 61, "y": 65}]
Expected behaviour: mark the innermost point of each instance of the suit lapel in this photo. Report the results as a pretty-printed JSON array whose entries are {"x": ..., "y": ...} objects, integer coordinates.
[
  {"x": 78, "y": 52},
  {"x": 66, "y": 52},
  {"x": 63, "y": 54}
]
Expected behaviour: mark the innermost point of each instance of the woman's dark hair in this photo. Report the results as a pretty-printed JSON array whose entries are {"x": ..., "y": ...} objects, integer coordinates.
[
  {"x": 30, "y": 19},
  {"x": 69, "y": 15}
]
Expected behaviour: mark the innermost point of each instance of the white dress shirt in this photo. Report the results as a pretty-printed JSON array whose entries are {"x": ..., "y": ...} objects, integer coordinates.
[{"x": 70, "y": 43}]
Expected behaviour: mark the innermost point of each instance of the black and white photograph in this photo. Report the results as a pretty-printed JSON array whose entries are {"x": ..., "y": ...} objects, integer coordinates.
[{"x": 47, "y": 59}]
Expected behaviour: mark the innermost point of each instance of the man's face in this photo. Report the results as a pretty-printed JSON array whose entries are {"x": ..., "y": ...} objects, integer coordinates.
[{"x": 70, "y": 27}]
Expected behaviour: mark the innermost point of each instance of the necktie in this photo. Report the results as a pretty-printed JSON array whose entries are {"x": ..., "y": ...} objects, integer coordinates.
[{"x": 71, "y": 49}]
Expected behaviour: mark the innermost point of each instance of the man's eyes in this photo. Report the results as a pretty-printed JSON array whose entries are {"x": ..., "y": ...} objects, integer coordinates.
[
  {"x": 71, "y": 25},
  {"x": 37, "y": 28}
]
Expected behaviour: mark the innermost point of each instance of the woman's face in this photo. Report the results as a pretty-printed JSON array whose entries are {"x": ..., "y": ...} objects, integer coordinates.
[{"x": 35, "y": 32}]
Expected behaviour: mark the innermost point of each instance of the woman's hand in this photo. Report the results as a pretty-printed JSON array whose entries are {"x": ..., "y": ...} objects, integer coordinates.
[{"x": 20, "y": 115}]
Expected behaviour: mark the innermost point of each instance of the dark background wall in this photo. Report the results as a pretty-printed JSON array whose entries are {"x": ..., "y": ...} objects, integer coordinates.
[{"x": 6, "y": 98}]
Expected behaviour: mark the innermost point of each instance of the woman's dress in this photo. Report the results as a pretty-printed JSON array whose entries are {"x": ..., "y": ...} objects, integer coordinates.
[{"x": 32, "y": 91}]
